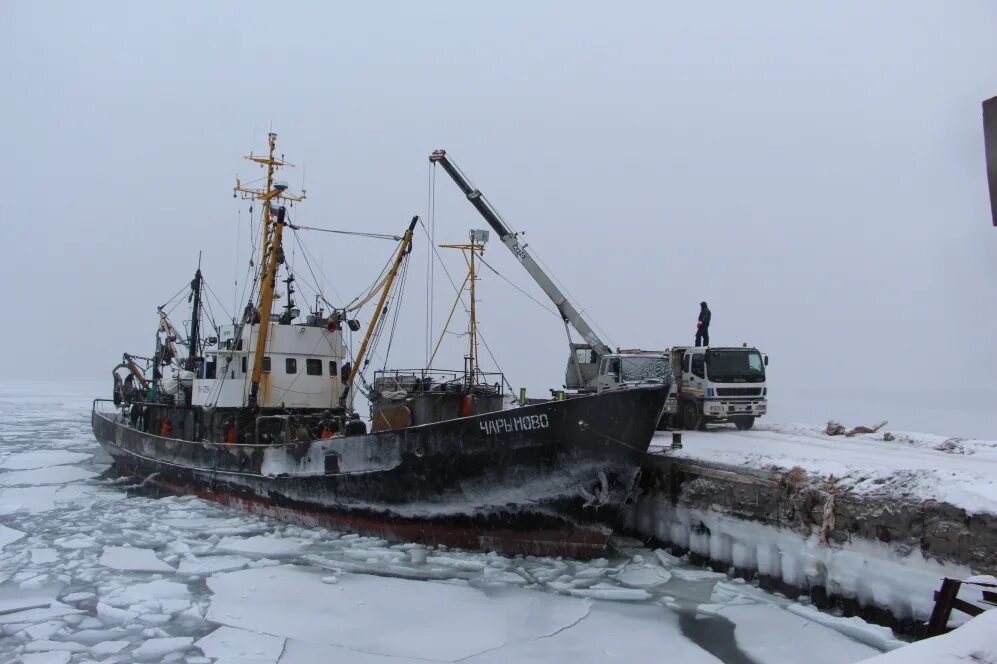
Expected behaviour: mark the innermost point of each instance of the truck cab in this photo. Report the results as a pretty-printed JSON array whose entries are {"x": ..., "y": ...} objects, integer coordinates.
[
  {"x": 717, "y": 384},
  {"x": 632, "y": 368}
]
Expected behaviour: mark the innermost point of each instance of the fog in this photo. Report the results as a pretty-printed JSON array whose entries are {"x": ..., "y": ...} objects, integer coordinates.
[{"x": 814, "y": 172}]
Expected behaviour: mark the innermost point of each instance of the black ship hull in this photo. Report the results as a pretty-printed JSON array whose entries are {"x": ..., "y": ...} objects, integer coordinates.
[{"x": 540, "y": 479}]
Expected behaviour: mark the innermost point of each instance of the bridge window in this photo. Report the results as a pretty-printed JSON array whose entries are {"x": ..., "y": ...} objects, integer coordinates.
[
  {"x": 243, "y": 364},
  {"x": 266, "y": 364},
  {"x": 313, "y": 367},
  {"x": 332, "y": 368},
  {"x": 291, "y": 365}
]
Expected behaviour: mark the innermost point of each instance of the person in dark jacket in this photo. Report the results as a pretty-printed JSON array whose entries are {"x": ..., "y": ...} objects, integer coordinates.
[{"x": 703, "y": 326}]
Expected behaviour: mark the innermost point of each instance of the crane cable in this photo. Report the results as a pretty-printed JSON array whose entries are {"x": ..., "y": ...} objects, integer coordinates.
[{"x": 505, "y": 279}]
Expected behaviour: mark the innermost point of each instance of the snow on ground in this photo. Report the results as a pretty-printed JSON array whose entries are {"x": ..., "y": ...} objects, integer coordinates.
[
  {"x": 922, "y": 466},
  {"x": 973, "y": 643},
  {"x": 90, "y": 570}
]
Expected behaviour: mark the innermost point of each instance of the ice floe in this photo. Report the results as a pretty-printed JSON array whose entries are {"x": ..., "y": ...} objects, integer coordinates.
[
  {"x": 442, "y": 622},
  {"x": 42, "y": 459},
  {"x": 156, "y": 649},
  {"x": 263, "y": 545},
  {"x": 212, "y": 564},
  {"x": 133, "y": 559},
  {"x": 230, "y": 645},
  {"x": 9, "y": 536},
  {"x": 41, "y": 476}
]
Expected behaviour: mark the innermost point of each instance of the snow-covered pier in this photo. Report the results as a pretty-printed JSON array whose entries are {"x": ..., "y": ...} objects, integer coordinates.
[{"x": 860, "y": 523}]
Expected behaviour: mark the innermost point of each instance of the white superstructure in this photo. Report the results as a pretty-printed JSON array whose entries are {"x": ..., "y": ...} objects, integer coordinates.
[{"x": 301, "y": 367}]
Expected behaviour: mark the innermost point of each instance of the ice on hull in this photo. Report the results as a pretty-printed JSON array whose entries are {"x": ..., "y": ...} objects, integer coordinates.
[{"x": 540, "y": 479}]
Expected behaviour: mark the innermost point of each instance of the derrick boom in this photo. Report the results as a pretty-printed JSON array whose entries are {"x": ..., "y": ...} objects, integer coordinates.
[{"x": 509, "y": 239}]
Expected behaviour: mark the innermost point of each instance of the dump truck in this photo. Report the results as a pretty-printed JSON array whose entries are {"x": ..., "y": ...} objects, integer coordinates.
[{"x": 716, "y": 384}]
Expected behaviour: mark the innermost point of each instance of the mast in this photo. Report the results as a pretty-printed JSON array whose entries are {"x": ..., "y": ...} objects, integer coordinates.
[
  {"x": 195, "y": 321},
  {"x": 470, "y": 250},
  {"x": 509, "y": 239},
  {"x": 379, "y": 312},
  {"x": 272, "y": 251}
]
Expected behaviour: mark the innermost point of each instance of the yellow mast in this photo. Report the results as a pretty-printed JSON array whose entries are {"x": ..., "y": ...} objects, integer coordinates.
[
  {"x": 272, "y": 256},
  {"x": 471, "y": 250},
  {"x": 379, "y": 312}
]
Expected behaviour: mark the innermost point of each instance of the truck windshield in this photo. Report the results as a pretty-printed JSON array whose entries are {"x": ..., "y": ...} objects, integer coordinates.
[
  {"x": 735, "y": 366},
  {"x": 644, "y": 369}
]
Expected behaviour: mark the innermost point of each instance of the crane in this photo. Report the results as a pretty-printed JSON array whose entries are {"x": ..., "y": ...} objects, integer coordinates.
[{"x": 569, "y": 314}]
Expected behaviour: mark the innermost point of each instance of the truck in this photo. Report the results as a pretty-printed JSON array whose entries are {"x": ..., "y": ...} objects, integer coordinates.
[
  {"x": 592, "y": 364},
  {"x": 716, "y": 384}
]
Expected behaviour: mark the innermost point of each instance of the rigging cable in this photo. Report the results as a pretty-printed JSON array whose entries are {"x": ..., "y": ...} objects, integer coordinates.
[
  {"x": 308, "y": 263},
  {"x": 217, "y": 299},
  {"x": 376, "y": 236},
  {"x": 398, "y": 306}
]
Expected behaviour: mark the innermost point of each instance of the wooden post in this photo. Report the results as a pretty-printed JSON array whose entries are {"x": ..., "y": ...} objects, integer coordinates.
[{"x": 943, "y": 606}]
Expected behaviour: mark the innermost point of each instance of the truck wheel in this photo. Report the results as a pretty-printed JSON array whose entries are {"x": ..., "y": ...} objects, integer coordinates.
[
  {"x": 744, "y": 423},
  {"x": 690, "y": 416}
]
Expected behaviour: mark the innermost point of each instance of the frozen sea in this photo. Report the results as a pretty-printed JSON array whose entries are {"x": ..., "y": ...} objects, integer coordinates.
[{"x": 93, "y": 568}]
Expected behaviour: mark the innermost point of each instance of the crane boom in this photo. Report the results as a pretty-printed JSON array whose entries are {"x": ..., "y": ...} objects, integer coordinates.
[{"x": 509, "y": 239}]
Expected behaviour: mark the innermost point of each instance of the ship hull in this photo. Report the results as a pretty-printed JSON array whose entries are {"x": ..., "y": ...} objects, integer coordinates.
[{"x": 542, "y": 479}]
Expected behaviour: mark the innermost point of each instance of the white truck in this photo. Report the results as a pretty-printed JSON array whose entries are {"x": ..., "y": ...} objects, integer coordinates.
[{"x": 716, "y": 384}]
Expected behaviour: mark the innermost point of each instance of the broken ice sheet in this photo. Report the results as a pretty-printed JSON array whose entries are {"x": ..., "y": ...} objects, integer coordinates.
[
  {"x": 263, "y": 545},
  {"x": 230, "y": 645},
  {"x": 46, "y": 555},
  {"x": 770, "y": 634},
  {"x": 158, "y": 648},
  {"x": 42, "y": 459},
  {"x": 211, "y": 564},
  {"x": 35, "y": 499},
  {"x": 143, "y": 592},
  {"x": 9, "y": 536},
  {"x": 133, "y": 559},
  {"x": 613, "y": 632},
  {"x": 40, "y": 476},
  {"x": 429, "y": 620},
  {"x": 32, "y": 609},
  {"x": 54, "y": 657},
  {"x": 643, "y": 576}
]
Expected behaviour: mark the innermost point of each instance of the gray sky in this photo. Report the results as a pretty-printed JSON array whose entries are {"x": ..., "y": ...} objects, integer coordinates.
[{"x": 814, "y": 171}]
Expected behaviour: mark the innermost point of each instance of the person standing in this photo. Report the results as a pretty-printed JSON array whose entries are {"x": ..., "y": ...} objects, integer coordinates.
[{"x": 703, "y": 325}]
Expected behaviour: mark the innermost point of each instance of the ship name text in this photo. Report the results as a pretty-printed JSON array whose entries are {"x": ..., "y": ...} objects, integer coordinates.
[{"x": 510, "y": 424}]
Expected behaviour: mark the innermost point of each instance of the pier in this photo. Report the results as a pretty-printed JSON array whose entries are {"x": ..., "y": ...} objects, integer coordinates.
[{"x": 873, "y": 535}]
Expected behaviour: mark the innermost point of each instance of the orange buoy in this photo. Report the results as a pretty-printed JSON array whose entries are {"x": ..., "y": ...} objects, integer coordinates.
[
  {"x": 167, "y": 427},
  {"x": 467, "y": 406}
]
